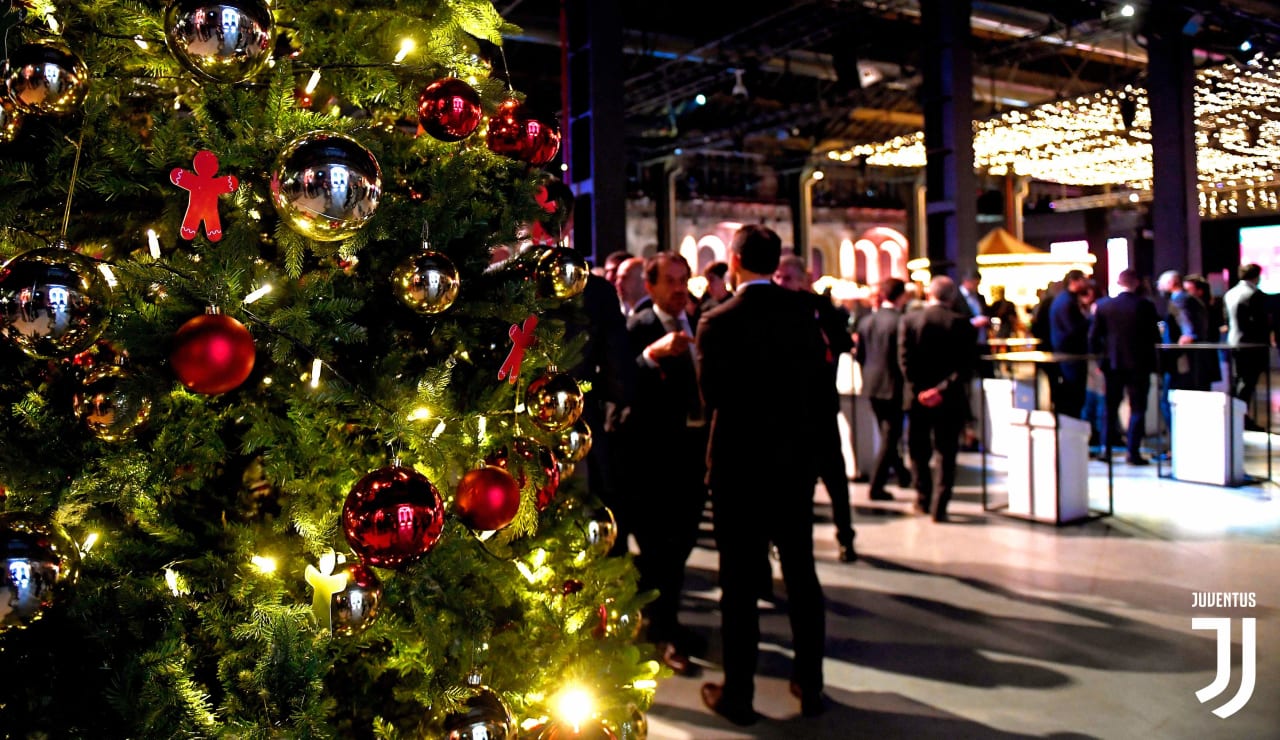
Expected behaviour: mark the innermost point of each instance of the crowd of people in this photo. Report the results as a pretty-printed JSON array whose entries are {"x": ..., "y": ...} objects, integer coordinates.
[{"x": 685, "y": 395}]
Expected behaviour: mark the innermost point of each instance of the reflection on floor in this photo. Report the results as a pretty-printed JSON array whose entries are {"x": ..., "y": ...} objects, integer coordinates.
[{"x": 991, "y": 627}]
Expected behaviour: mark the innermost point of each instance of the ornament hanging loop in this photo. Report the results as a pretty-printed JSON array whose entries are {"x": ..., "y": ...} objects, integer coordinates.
[{"x": 71, "y": 188}]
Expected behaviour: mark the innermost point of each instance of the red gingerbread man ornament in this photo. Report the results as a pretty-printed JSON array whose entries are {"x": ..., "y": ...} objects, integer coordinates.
[{"x": 205, "y": 189}]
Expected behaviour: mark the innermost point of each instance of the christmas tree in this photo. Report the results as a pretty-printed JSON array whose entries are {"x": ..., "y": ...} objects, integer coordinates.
[{"x": 287, "y": 450}]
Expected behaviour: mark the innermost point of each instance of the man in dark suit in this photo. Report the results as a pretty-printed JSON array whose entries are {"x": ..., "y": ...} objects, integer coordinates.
[
  {"x": 1248, "y": 323},
  {"x": 882, "y": 379},
  {"x": 1069, "y": 334},
  {"x": 666, "y": 440},
  {"x": 763, "y": 375},
  {"x": 792, "y": 274},
  {"x": 1125, "y": 331},
  {"x": 937, "y": 349}
]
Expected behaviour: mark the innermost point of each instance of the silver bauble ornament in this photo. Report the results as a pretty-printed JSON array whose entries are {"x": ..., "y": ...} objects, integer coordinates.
[
  {"x": 326, "y": 185},
  {"x": 573, "y": 444},
  {"x": 220, "y": 40},
  {"x": 112, "y": 404},
  {"x": 53, "y": 302},
  {"x": 427, "y": 282},
  {"x": 614, "y": 621},
  {"x": 10, "y": 119},
  {"x": 554, "y": 401},
  {"x": 354, "y": 607},
  {"x": 631, "y": 725},
  {"x": 39, "y": 563},
  {"x": 562, "y": 273},
  {"x": 600, "y": 531},
  {"x": 46, "y": 77},
  {"x": 593, "y": 728},
  {"x": 484, "y": 716}
]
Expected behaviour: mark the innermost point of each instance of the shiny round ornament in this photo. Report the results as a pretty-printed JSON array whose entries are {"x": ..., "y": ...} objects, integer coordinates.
[
  {"x": 220, "y": 40},
  {"x": 516, "y": 132},
  {"x": 573, "y": 443},
  {"x": 554, "y": 401},
  {"x": 630, "y": 725},
  {"x": 212, "y": 353},
  {"x": 487, "y": 498},
  {"x": 562, "y": 273},
  {"x": 600, "y": 531},
  {"x": 355, "y": 606},
  {"x": 39, "y": 563},
  {"x": 449, "y": 109},
  {"x": 53, "y": 302},
  {"x": 591, "y": 729},
  {"x": 484, "y": 716},
  {"x": 10, "y": 120},
  {"x": 45, "y": 77},
  {"x": 427, "y": 282},
  {"x": 556, "y": 200},
  {"x": 523, "y": 456},
  {"x": 113, "y": 405},
  {"x": 613, "y": 621},
  {"x": 326, "y": 185},
  {"x": 393, "y": 516}
]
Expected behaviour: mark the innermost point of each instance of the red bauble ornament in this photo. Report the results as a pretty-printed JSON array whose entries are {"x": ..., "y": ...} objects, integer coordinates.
[
  {"x": 449, "y": 109},
  {"x": 212, "y": 353},
  {"x": 529, "y": 454},
  {"x": 392, "y": 517},
  {"x": 515, "y": 132},
  {"x": 487, "y": 498}
]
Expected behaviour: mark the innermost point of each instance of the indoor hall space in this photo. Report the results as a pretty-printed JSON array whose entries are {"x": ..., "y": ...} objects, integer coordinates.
[{"x": 995, "y": 627}]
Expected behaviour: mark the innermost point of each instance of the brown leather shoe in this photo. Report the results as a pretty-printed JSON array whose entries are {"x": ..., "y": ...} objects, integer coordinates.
[
  {"x": 676, "y": 660},
  {"x": 812, "y": 704},
  {"x": 713, "y": 697}
]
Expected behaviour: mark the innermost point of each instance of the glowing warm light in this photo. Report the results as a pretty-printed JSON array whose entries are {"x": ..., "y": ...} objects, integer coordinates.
[
  {"x": 526, "y": 572},
  {"x": 819, "y": 174},
  {"x": 1088, "y": 140},
  {"x": 575, "y": 705},
  {"x": 420, "y": 413},
  {"x": 141, "y": 42},
  {"x": 257, "y": 294},
  {"x": 153, "y": 243},
  {"x": 88, "y": 543},
  {"x": 435, "y": 433},
  {"x": 646, "y": 684},
  {"x": 105, "y": 269},
  {"x": 1127, "y": 10},
  {"x": 482, "y": 424},
  {"x": 265, "y": 565},
  {"x": 406, "y": 48},
  {"x": 316, "y": 366},
  {"x": 175, "y": 582},
  {"x": 314, "y": 81}
]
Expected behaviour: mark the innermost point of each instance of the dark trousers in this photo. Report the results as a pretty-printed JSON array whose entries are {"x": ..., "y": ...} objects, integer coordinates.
[
  {"x": 1072, "y": 388},
  {"x": 748, "y": 515},
  {"x": 831, "y": 471},
  {"x": 929, "y": 430},
  {"x": 1136, "y": 384},
  {"x": 1250, "y": 365},
  {"x": 888, "y": 413},
  {"x": 666, "y": 500}
]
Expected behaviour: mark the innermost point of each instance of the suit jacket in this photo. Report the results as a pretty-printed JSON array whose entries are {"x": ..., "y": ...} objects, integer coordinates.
[
  {"x": 1125, "y": 330},
  {"x": 937, "y": 346},
  {"x": 878, "y": 354},
  {"x": 664, "y": 395},
  {"x": 762, "y": 373},
  {"x": 1246, "y": 314}
]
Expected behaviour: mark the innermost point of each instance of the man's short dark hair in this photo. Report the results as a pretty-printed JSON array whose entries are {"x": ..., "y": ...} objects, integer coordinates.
[
  {"x": 654, "y": 264},
  {"x": 1251, "y": 271},
  {"x": 891, "y": 289},
  {"x": 1073, "y": 276},
  {"x": 616, "y": 258},
  {"x": 719, "y": 269},
  {"x": 758, "y": 248},
  {"x": 1129, "y": 278}
]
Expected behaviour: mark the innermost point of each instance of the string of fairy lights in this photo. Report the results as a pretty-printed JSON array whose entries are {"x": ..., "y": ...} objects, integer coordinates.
[{"x": 1105, "y": 139}]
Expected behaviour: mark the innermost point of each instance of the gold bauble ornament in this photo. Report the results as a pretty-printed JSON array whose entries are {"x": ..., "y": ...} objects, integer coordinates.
[
  {"x": 326, "y": 185},
  {"x": 600, "y": 531},
  {"x": 483, "y": 716},
  {"x": 427, "y": 282},
  {"x": 562, "y": 273},
  {"x": 590, "y": 729},
  {"x": 112, "y": 404},
  {"x": 573, "y": 444},
  {"x": 220, "y": 40},
  {"x": 554, "y": 401},
  {"x": 53, "y": 302},
  {"x": 45, "y": 77},
  {"x": 39, "y": 563}
]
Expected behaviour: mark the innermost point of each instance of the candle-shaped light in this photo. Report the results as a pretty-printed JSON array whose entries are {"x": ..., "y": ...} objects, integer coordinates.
[{"x": 324, "y": 584}]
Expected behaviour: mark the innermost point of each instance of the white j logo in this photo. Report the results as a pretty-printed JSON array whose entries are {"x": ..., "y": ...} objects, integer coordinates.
[{"x": 1248, "y": 646}]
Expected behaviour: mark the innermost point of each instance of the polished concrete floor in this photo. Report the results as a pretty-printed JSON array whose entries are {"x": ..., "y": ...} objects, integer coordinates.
[{"x": 993, "y": 627}]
